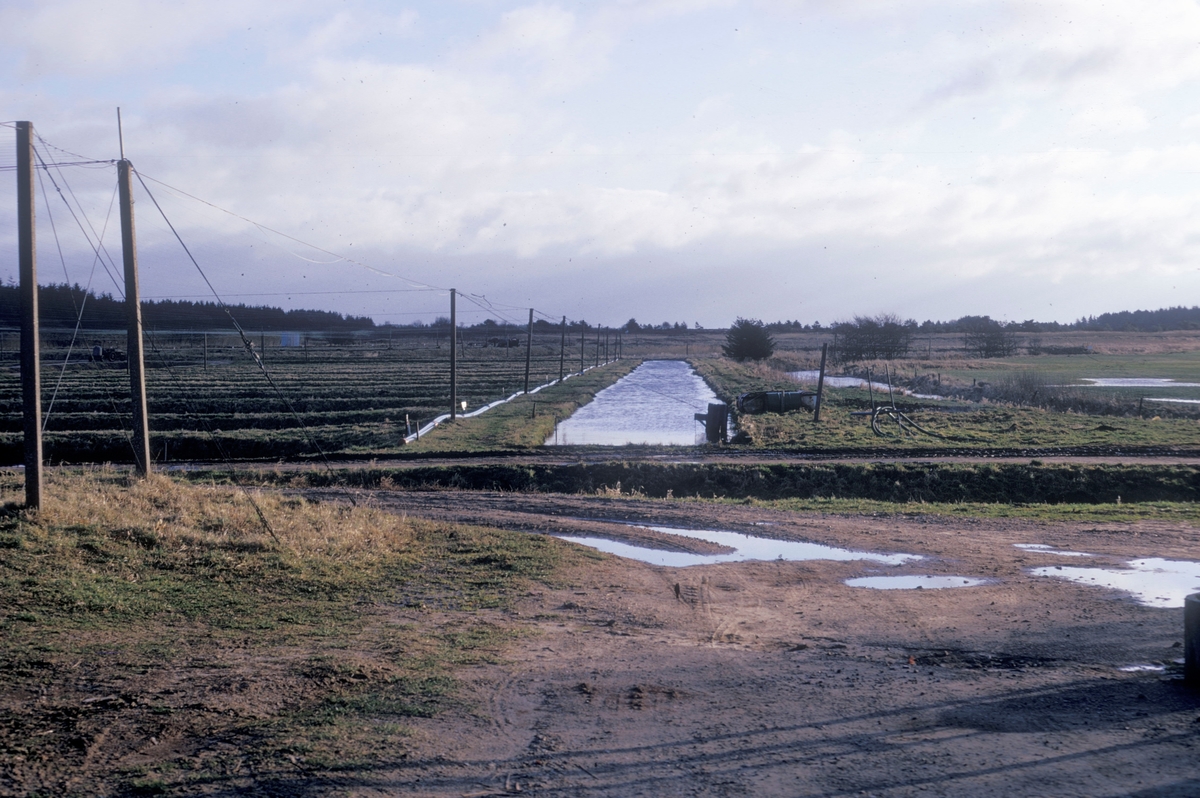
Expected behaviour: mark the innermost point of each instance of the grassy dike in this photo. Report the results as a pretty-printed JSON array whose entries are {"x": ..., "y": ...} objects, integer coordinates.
[
  {"x": 981, "y": 427},
  {"x": 156, "y": 637}
]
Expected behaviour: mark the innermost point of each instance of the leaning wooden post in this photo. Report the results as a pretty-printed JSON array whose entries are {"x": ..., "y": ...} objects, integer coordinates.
[
  {"x": 453, "y": 361},
  {"x": 1191, "y": 640},
  {"x": 133, "y": 321},
  {"x": 528, "y": 348},
  {"x": 562, "y": 352},
  {"x": 820, "y": 384},
  {"x": 31, "y": 377}
]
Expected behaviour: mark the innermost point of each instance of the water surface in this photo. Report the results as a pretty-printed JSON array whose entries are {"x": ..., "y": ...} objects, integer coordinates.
[
  {"x": 1152, "y": 582},
  {"x": 745, "y": 547},
  {"x": 915, "y": 582},
  {"x": 655, "y": 403}
]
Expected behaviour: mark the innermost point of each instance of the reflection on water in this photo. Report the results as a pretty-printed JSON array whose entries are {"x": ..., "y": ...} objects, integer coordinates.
[
  {"x": 746, "y": 547},
  {"x": 1153, "y": 582},
  {"x": 915, "y": 582},
  {"x": 655, "y": 403}
]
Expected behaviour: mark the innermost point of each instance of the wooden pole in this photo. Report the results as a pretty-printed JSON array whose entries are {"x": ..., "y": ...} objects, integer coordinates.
[
  {"x": 820, "y": 384},
  {"x": 597, "y": 346},
  {"x": 31, "y": 377},
  {"x": 206, "y": 353},
  {"x": 606, "y": 346},
  {"x": 528, "y": 348},
  {"x": 582, "y": 341},
  {"x": 133, "y": 321},
  {"x": 562, "y": 352},
  {"x": 453, "y": 361}
]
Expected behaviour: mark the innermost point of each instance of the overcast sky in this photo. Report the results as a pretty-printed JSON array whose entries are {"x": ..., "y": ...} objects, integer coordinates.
[{"x": 669, "y": 160}]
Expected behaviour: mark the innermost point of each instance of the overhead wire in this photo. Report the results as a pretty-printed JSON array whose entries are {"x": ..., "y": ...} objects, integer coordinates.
[{"x": 246, "y": 342}]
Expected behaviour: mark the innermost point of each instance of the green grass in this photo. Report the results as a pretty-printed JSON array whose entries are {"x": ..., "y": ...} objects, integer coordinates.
[{"x": 982, "y": 426}]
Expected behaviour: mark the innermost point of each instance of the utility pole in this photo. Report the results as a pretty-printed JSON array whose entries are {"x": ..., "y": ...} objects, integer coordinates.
[
  {"x": 31, "y": 377},
  {"x": 528, "y": 349},
  {"x": 453, "y": 361},
  {"x": 133, "y": 319},
  {"x": 562, "y": 351}
]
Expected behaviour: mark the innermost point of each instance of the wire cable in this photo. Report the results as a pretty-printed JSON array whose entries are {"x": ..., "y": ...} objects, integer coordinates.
[{"x": 246, "y": 342}]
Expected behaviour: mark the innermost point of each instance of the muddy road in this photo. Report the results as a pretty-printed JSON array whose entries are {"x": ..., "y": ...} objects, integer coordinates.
[{"x": 776, "y": 678}]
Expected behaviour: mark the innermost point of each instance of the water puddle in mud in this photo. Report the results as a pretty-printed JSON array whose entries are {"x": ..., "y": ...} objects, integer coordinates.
[
  {"x": 915, "y": 582},
  {"x": 1152, "y": 582},
  {"x": 1041, "y": 548},
  {"x": 745, "y": 547},
  {"x": 1136, "y": 382},
  {"x": 654, "y": 404}
]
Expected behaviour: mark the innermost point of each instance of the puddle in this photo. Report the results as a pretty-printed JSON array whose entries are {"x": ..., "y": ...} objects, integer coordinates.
[
  {"x": 835, "y": 382},
  {"x": 1143, "y": 668},
  {"x": 915, "y": 582},
  {"x": 1152, "y": 582},
  {"x": 810, "y": 378},
  {"x": 1041, "y": 548},
  {"x": 1177, "y": 401},
  {"x": 655, "y": 404},
  {"x": 1137, "y": 382},
  {"x": 745, "y": 547}
]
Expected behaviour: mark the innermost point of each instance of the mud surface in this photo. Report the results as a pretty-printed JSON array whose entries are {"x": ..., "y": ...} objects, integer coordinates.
[{"x": 775, "y": 678}]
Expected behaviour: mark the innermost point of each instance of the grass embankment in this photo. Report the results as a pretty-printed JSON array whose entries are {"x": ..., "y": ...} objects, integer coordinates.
[
  {"x": 983, "y": 426},
  {"x": 155, "y": 635},
  {"x": 1129, "y": 490},
  {"x": 525, "y": 422}
]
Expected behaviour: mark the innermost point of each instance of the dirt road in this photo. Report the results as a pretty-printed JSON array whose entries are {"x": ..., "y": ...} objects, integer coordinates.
[{"x": 775, "y": 678}]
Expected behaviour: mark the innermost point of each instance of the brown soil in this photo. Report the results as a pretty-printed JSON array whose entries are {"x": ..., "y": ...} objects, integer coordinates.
[
  {"x": 775, "y": 678},
  {"x": 761, "y": 678}
]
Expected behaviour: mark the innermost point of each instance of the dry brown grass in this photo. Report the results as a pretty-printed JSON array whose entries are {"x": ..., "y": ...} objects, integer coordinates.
[{"x": 180, "y": 516}]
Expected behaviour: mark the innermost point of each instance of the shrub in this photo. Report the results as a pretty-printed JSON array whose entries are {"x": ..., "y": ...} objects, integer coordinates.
[
  {"x": 748, "y": 339},
  {"x": 873, "y": 337}
]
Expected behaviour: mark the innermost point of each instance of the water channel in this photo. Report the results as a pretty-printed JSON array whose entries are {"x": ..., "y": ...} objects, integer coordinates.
[{"x": 655, "y": 403}]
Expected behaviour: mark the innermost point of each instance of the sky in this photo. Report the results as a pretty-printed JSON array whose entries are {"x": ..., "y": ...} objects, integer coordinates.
[{"x": 665, "y": 160}]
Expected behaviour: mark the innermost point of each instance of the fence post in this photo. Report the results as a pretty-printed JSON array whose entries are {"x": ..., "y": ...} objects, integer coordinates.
[{"x": 820, "y": 384}]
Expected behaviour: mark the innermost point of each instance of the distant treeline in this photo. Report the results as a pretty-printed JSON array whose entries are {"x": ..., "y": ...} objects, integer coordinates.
[
  {"x": 1176, "y": 318},
  {"x": 58, "y": 306}
]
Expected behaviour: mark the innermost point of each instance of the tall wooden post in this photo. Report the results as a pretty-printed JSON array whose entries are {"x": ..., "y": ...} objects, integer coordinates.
[
  {"x": 597, "y": 346},
  {"x": 206, "y": 353},
  {"x": 820, "y": 384},
  {"x": 562, "y": 351},
  {"x": 528, "y": 348},
  {"x": 582, "y": 341},
  {"x": 31, "y": 376},
  {"x": 133, "y": 321},
  {"x": 606, "y": 345},
  {"x": 453, "y": 361}
]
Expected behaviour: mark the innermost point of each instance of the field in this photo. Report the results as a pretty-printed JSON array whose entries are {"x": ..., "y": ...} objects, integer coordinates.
[
  {"x": 401, "y": 620},
  {"x": 347, "y": 396},
  {"x": 351, "y": 396}
]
